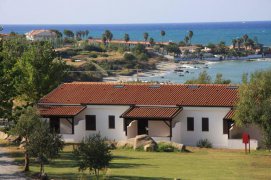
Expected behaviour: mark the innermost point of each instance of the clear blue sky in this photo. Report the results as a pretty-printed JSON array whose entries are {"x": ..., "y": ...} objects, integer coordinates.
[{"x": 131, "y": 11}]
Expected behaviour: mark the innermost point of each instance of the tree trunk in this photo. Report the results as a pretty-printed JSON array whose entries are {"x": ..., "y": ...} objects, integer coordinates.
[{"x": 26, "y": 162}]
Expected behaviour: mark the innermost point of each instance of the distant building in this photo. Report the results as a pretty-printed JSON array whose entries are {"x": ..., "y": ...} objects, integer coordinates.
[{"x": 37, "y": 35}]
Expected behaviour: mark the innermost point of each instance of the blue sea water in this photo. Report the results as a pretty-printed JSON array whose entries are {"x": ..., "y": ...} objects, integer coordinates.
[{"x": 204, "y": 33}]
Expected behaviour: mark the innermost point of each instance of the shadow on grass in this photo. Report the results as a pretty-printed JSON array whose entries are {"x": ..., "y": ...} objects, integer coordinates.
[
  {"x": 136, "y": 178},
  {"x": 127, "y": 165},
  {"x": 124, "y": 157}
]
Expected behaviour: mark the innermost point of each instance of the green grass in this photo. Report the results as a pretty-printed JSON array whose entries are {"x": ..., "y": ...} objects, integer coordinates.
[{"x": 197, "y": 164}]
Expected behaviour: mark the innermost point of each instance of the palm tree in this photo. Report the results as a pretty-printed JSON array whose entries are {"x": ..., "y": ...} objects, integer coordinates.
[
  {"x": 104, "y": 39},
  {"x": 126, "y": 38},
  {"x": 190, "y": 35},
  {"x": 152, "y": 42},
  {"x": 245, "y": 37},
  {"x": 87, "y": 32},
  {"x": 146, "y": 36},
  {"x": 109, "y": 36},
  {"x": 234, "y": 42},
  {"x": 186, "y": 40},
  {"x": 239, "y": 42},
  {"x": 163, "y": 33}
]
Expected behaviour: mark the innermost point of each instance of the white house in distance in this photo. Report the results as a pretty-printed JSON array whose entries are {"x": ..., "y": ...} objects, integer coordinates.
[
  {"x": 38, "y": 35},
  {"x": 170, "y": 112}
]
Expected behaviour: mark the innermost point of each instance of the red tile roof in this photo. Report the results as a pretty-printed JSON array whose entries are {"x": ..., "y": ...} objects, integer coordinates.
[
  {"x": 143, "y": 94},
  {"x": 229, "y": 115},
  {"x": 151, "y": 113},
  {"x": 60, "y": 110}
]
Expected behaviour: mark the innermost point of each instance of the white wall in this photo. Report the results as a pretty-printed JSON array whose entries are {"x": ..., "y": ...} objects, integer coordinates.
[
  {"x": 214, "y": 135},
  {"x": 238, "y": 144},
  {"x": 132, "y": 129},
  {"x": 158, "y": 129},
  {"x": 102, "y": 112}
]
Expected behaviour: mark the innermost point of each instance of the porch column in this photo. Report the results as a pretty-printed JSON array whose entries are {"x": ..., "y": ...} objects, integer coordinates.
[
  {"x": 170, "y": 126},
  {"x": 72, "y": 125}
]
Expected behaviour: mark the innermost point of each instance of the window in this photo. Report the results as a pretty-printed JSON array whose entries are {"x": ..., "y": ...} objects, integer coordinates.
[
  {"x": 190, "y": 124},
  {"x": 111, "y": 122},
  {"x": 205, "y": 124},
  {"x": 91, "y": 122},
  {"x": 225, "y": 126}
]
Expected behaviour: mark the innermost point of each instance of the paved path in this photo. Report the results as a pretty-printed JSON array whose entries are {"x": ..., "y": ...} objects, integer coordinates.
[{"x": 8, "y": 168}]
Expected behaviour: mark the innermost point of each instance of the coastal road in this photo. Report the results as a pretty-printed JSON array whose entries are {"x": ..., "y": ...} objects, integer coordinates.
[{"x": 8, "y": 168}]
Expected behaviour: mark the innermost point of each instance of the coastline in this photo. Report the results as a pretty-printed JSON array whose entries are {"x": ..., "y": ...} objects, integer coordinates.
[{"x": 167, "y": 67}]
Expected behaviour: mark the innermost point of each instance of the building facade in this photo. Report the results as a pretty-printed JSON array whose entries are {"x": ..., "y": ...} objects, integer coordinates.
[
  {"x": 38, "y": 35},
  {"x": 181, "y": 113}
]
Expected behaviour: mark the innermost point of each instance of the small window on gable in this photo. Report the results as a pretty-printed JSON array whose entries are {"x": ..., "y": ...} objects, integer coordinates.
[
  {"x": 190, "y": 124},
  {"x": 205, "y": 124},
  {"x": 90, "y": 122},
  {"x": 111, "y": 122}
]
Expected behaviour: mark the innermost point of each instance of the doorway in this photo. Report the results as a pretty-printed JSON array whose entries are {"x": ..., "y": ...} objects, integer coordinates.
[{"x": 142, "y": 126}]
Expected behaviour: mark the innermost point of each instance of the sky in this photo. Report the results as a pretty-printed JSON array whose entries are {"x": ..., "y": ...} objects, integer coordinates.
[{"x": 131, "y": 11}]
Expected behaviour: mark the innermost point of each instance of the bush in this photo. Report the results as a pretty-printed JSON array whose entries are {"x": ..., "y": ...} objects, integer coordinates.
[
  {"x": 143, "y": 57},
  {"x": 93, "y": 48},
  {"x": 104, "y": 55},
  {"x": 93, "y": 55},
  {"x": 165, "y": 147},
  {"x": 204, "y": 143},
  {"x": 129, "y": 57}
]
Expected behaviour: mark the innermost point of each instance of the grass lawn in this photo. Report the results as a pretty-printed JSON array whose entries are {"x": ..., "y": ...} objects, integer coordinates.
[{"x": 197, "y": 164}]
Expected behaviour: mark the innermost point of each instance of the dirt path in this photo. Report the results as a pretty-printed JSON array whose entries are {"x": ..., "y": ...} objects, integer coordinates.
[{"x": 8, "y": 168}]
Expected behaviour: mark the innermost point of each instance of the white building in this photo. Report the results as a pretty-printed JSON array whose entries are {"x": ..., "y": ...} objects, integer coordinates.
[
  {"x": 38, "y": 35},
  {"x": 180, "y": 113}
]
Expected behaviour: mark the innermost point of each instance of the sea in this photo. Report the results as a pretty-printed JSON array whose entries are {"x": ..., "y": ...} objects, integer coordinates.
[{"x": 204, "y": 33}]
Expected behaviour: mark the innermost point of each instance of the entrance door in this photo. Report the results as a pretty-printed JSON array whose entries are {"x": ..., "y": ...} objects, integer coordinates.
[
  {"x": 142, "y": 126},
  {"x": 55, "y": 124}
]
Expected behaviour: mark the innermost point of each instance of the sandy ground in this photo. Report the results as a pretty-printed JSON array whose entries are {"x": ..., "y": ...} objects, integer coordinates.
[{"x": 8, "y": 168}]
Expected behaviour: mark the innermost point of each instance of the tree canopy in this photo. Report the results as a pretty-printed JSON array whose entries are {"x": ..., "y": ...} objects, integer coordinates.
[
  {"x": 93, "y": 154},
  {"x": 205, "y": 78},
  {"x": 254, "y": 105},
  {"x": 39, "y": 71}
]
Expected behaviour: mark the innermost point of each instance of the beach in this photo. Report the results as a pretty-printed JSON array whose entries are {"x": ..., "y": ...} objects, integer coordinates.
[{"x": 165, "y": 72}]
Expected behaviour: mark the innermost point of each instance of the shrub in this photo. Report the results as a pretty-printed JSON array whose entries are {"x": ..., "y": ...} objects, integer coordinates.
[
  {"x": 104, "y": 55},
  {"x": 129, "y": 57},
  {"x": 165, "y": 147},
  {"x": 93, "y": 48},
  {"x": 204, "y": 143},
  {"x": 143, "y": 57},
  {"x": 93, "y": 55}
]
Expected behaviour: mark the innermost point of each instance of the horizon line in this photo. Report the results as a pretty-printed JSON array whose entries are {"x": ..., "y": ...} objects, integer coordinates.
[{"x": 141, "y": 23}]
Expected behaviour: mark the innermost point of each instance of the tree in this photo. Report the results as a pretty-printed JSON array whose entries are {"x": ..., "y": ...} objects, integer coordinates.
[
  {"x": 104, "y": 39},
  {"x": 239, "y": 42},
  {"x": 186, "y": 40},
  {"x": 245, "y": 38},
  {"x": 190, "y": 35},
  {"x": 93, "y": 154},
  {"x": 24, "y": 128},
  {"x": 1, "y": 28},
  {"x": 163, "y": 33},
  {"x": 146, "y": 36},
  {"x": 44, "y": 144},
  {"x": 126, "y": 38},
  {"x": 87, "y": 33},
  {"x": 173, "y": 48},
  {"x": 109, "y": 36},
  {"x": 219, "y": 79},
  {"x": 253, "y": 106},
  {"x": 38, "y": 72},
  {"x": 203, "y": 78},
  {"x": 58, "y": 33},
  {"x": 151, "y": 41},
  {"x": 234, "y": 42},
  {"x": 68, "y": 33}
]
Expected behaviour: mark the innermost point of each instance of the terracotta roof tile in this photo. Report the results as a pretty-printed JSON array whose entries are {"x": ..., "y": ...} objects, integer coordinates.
[
  {"x": 143, "y": 94},
  {"x": 60, "y": 110},
  {"x": 151, "y": 112}
]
